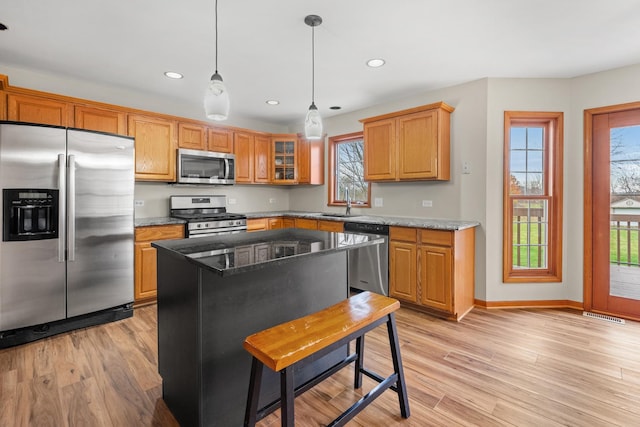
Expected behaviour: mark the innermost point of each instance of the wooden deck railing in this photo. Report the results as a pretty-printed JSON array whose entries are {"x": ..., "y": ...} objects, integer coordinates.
[{"x": 625, "y": 244}]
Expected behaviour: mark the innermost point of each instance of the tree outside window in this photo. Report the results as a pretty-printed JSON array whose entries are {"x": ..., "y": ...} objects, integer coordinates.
[{"x": 346, "y": 170}]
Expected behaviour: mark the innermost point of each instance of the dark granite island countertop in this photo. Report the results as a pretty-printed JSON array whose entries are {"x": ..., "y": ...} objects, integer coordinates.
[
  {"x": 215, "y": 291},
  {"x": 229, "y": 254}
]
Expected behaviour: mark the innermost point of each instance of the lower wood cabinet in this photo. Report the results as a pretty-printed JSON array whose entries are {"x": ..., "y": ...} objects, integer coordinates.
[
  {"x": 145, "y": 282},
  {"x": 257, "y": 224},
  {"x": 433, "y": 269}
]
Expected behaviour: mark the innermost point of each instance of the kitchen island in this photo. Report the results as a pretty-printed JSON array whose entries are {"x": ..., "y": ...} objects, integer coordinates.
[{"x": 215, "y": 291}]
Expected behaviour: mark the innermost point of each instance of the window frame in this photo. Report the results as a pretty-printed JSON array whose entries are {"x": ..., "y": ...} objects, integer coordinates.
[
  {"x": 552, "y": 193},
  {"x": 334, "y": 141}
]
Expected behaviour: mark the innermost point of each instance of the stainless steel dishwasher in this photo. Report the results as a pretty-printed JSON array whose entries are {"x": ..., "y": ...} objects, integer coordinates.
[{"x": 368, "y": 268}]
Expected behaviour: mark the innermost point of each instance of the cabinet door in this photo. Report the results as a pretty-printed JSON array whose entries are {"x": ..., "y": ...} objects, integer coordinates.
[
  {"x": 192, "y": 136},
  {"x": 418, "y": 145},
  {"x": 435, "y": 277},
  {"x": 155, "y": 143},
  {"x": 33, "y": 109},
  {"x": 380, "y": 150},
  {"x": 243, "y": 147},
  {"x": 220, "y": 140},
  {"x": 262, "y": 153},
  {"x": 284, "y": 160},
  {"x": 310, "y": 161},
  {"x": 100, "y": 119},
  {"x": 275, "y": 223},
  {"x": 288, "y": 223},
  {"x": 146, "y": 272},
  {"x": 403, "y": 271}
]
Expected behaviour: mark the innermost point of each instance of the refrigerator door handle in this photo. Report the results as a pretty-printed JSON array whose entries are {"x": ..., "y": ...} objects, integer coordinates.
[
  {"x": 71, "y": 245},
  {"x": 62, "y": 211}
]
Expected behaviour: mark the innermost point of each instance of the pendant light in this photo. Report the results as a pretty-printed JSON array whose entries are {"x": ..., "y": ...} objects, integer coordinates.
[
  {"x": 313, "y": 121},
  {"x": 216, "y": 98}
]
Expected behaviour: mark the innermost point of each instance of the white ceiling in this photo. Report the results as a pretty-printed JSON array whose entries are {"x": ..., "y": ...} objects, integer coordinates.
[{"x": 265, "y": 47}]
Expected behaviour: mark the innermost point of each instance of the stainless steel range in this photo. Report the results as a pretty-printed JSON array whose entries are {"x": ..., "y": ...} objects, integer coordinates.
[{"x": 207, "y": 215}]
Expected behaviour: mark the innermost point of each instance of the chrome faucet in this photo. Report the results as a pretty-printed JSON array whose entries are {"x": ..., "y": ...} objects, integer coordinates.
[{"x": 348, "y": 200}]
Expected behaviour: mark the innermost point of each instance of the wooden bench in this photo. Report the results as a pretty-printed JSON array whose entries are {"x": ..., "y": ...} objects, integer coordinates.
[{"x": 317, "y": 334}]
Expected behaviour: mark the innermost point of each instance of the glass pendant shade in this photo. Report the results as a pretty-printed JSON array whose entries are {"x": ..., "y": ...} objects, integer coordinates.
[
  {"x": 313, "y": 123},
  {"x": 216, "y": 99}
]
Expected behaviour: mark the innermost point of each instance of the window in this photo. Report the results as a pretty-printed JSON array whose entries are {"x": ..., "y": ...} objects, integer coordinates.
[
  {"x": 346, "y": 171},
  {"x": 532, "y": 245}
]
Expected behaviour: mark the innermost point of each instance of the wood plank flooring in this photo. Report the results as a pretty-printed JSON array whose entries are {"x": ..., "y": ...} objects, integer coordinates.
[{"x": 538, "y": 367}]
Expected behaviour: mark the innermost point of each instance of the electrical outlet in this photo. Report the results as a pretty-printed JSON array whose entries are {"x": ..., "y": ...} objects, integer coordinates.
[
  {"x": 427, "y": 203},
  {"x": 272, "y": 200},
  {"x": 466, "y": 168},
  {"x": 232, "y": 201},
  {"x": 139, "y": 203},
  {"x": 377, "y": 202}
]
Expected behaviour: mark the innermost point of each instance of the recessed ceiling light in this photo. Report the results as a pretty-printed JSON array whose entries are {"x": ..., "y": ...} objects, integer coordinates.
[
  {"x": 375, "y": 63},
  {"x": 272, "y": 102},
  {"x": 173, "y": 75},
  {"x": 335, "y": 107}
]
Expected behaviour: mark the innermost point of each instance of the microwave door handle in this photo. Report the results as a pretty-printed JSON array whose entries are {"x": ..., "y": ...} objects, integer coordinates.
[
  {"x": 62, "y": 205},
  {"x": 72, "y": 208},
  {"x": 226, "y": 168}
]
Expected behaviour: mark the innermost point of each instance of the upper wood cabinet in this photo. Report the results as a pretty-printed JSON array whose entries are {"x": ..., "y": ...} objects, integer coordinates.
[
  {"x": 220, "y": 140},
  {"x": 408, "y": 145},
  {"x": 155, "y": 144},
  {"x": 100, "y": 119},
  {"x": 262, "y": 157},
  {"x": 310, "y": 161},
  {"x": 35, "y": 109},
  {"x": 243, "y": 147},
  {"x": 192, "y": 136}
]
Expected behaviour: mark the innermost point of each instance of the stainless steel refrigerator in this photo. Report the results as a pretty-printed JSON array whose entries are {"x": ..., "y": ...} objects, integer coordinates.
[{"x": 66, "y": 256}]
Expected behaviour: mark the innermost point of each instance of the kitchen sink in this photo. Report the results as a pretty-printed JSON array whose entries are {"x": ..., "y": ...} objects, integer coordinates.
[{"x": 339, "y": 215}]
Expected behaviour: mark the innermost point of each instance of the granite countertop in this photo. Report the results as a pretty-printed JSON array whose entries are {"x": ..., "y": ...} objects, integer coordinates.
[
  {"x": 160, "y": 220},
  {"x": 430, "y": 223},
  {"x": 228, "y": 254}
]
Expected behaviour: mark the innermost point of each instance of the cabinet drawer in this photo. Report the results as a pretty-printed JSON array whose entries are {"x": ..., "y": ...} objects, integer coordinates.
[
  {"x": 403, "y": 234},
  {"x": 335, "y": 226},
  {"x": 257, "y": 224},
  {"x": 159, "y": 232},
  {"x": 310, "y": 224},
  {"x": 436, "y": 237}
]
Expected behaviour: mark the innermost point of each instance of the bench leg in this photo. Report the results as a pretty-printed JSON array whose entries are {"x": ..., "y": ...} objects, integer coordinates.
[
  {"x": 255, "y": 381},
  {"x": 357, "y": 381},
  {"x": 287, "y": 396},
  {"x": 397, "y": 366}
]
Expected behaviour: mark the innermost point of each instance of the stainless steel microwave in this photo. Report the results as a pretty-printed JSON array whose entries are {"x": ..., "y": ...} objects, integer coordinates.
[{"x": 205, "y": 167}]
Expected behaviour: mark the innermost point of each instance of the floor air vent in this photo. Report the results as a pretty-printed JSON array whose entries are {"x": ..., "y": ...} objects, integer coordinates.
[{"x": 603, "y": 317}]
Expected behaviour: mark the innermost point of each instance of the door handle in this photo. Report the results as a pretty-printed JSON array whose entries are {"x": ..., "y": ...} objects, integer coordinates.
[
  {"x": 72, "y": 209},
  {"x": 62, "y": 206}
]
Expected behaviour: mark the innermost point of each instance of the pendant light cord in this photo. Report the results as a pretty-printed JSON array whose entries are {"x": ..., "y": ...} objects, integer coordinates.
[
  {"x": 313, "y": 65},
  {"x": 216, "y": 21}
]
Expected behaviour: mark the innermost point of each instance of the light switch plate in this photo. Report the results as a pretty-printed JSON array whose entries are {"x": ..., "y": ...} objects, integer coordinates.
[
  {"x": 139, "y": 203},
  {"x": 377, "y": 202},
  {"x": 232, "y": 201},
  {"x": 466, "y": 168},
  {"x": 427, "y": 203}
]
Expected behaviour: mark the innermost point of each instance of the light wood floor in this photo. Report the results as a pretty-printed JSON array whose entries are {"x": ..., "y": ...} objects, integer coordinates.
[{"x": 537, "y": 367}]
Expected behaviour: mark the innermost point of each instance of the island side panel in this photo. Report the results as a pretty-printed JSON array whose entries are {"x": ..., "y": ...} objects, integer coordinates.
[
  {"x": 239, "y": 305},
  {"x": 178, "y": 336}
]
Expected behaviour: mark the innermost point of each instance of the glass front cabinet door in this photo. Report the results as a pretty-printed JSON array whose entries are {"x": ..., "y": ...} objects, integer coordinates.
[{"x": 284, "y": 159}]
